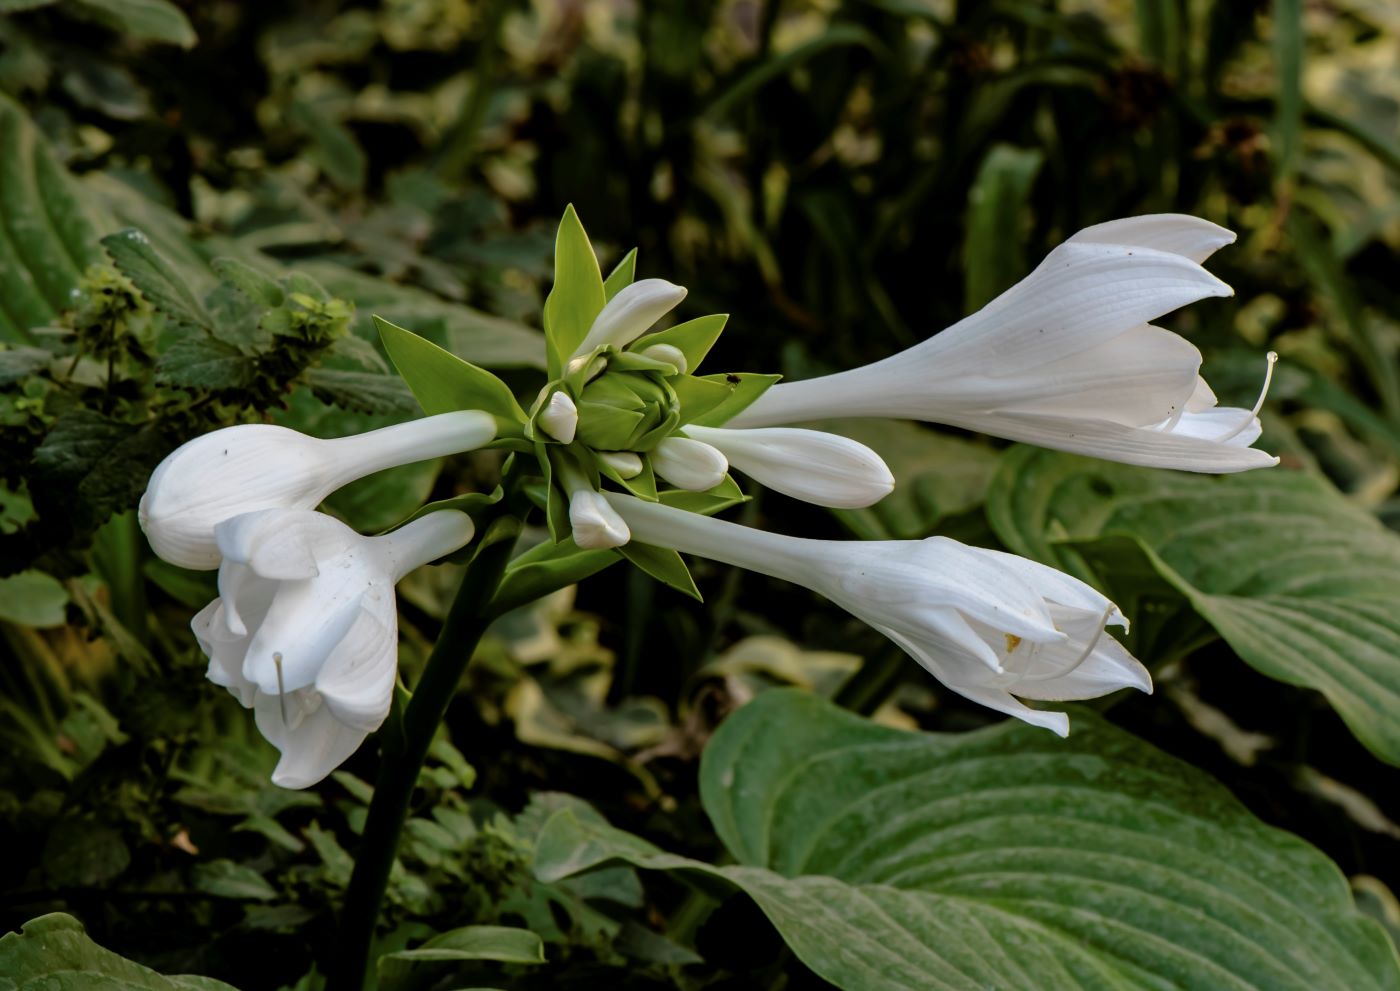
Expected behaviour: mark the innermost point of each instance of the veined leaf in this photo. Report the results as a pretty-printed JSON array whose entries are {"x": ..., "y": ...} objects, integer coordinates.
[
  {"x": 1005, "y": 858},
  {"x": 578, "y": 293},
  {"x": 140, "y": 262},
  {"x": 1299, "y": 581}
]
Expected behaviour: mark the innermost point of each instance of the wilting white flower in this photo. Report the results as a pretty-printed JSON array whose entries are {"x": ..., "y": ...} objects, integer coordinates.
[
  {"x": 630, "y": 313},
  {"x": 689, "y": 464},
  {"x": 989, "y": 625},
  {"x": 305, "y": 631},
  {"x": 1066, "y": 358},
  {"x": 811, "y": 465},
  {"x": 559, "y": 418},
  {"x": 595, "y": 524},
  {"x": 259, "y": 466}
]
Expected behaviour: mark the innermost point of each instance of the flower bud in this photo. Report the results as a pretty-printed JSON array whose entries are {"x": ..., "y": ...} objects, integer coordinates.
[
  {"x": 595, "y": 524},
  {"x": 689, "y": 464},
  {"x": 630, "y": 313},
  {"x": 668, "y": 353},
  {"x": 559, "y": 418}
]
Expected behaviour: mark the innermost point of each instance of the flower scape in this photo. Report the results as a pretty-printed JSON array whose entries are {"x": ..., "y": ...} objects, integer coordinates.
[{"x": 629, "y": 451}]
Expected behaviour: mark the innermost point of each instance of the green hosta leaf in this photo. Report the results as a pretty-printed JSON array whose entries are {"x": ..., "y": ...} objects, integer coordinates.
[
  {"x": 333, "y": 147},
  {"x": 49, "y": 233},
  {"x": 33, "y": 598},
  {"x": 694, "y": 338},
  {"x": 204, "y": 363},
  {"x": 1299, "y": 581},
  {"x": 257, "y": 286},
  {"x": 159, "y": 283},
  {"x": 53, "y": 952},
  {"x": 443, "y": 382},
  {"x": 998, "y": 223},
  {"x": 364, "y": 392},
  {"x": 144, "y": 20},
  {"x": 622, "y": 275},
  {"x": 577, "y": 295},
  {"x": 663, "y": 564},
  {"x": 227, "y": 879},
  {"x": 745, "y": 388},
  {"x": 400, "y": 971},
  {"x": 1005, "y": 858}
]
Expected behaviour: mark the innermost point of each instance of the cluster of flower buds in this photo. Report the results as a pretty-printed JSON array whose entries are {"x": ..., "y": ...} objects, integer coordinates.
[{"x": 635, "y": 450}]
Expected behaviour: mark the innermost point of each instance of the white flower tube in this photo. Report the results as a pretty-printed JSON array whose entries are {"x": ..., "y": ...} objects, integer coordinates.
[
  {"x": 629, "y": 314},
  {"x": 305, "y": 631},
  {"x": 689, "y": 464},
  {"x": 817, "y": 467},
  {"x": 259, "y": 466},
  {"x": 988, "y": 625},
  {"x": 1066, "y": 358}
]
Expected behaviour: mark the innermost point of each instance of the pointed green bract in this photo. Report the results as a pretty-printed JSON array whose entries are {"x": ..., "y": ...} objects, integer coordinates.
[
  {"x": 578, "y": 293},
  {"x": 443, "y": 382},
  {"x": 624, "y": 273},
  {"x": 663, "y": 564},
  {"x": 694, "y": 338},
  {"x": 744, "y": 389}
]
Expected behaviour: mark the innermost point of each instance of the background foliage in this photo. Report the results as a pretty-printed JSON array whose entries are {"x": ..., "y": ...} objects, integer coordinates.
[{"x": 202, "y": 205}]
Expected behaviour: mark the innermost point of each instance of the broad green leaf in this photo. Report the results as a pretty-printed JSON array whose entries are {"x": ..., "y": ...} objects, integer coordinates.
[
  {"x": 443, "y": 382},
  {"x": 663, "y": 564},
  {"x": 364, "y": 392},
  {"x": 998, "y": 221},
  {"x": 622, "y": 275},
  {"x": 577, "y": 295},
  {"x": 1299, "y": 581},
  {"x": 48, "y": 234},
  {"x": 204, "y": 363},
  {"x": 257, "y": 286},
  {"x": 419, "y": 966},
  {"x": 53, "y": 952},
  {"x": 694, "y": 337},
  {"x": 162, "y": 286},
  {"x": 144, "y": 20},
  {"x": 745, "y": 388},
  {"x": 1004, "y": 858},
  {"x": 33, "y": 598}
]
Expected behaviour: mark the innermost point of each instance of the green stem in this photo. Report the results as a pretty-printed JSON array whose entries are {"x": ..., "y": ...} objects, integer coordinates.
[{"x": 403, "y": 755}]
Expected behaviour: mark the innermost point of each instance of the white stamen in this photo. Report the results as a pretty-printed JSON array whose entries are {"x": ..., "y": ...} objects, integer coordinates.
[{"x": 1272, "y": 359}]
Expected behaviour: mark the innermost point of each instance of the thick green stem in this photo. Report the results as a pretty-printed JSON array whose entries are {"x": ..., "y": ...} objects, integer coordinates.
[{"x": 402, "y": 756}]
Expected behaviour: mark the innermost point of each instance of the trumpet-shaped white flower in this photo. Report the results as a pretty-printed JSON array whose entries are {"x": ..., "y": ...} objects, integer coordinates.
[
  {"x": 256, "y": 466},
  {"x": 305, "y": 631},
  {"x": 1066, "y": 358},
  {"x": 559, "y": 418},
  {"x": 689, "y": 464},
  {"x": 629, "y": 314},
  {"x": 595, "y": 524},
  {"x": 989, "y": 625},
  {"x": 811, "y": 465}
]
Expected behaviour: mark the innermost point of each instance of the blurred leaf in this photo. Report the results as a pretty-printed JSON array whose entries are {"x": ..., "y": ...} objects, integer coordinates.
[
  {"x": 758, "y": 74},
  {"x": 204, "y": 363},
  {"x": 53, "y": 952},
  {"x": 1288, "y": 62},
  {"x": 980, "y": 859},
  {"x": 408, "y": 968},
  {"x": 994, "y": 257},
  {"x": 143, "y": 20},
  {"x": 83, "y": 853},
  {"x": 50, "y": 232},
  {"x": 260, "y": 288},
  {"x": 1315, "y": 610},
  {"x": 33, "y": 598},
  {"x": 230, "y": 880},
  {"x": 333, "y": 147},
  {"x": 364, "y": 392}
]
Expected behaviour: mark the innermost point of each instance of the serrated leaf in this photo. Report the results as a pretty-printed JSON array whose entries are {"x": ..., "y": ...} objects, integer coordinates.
[
  {"x": 236, "y": 320},
  {"x": 51, "y": 236},
  {"x": 1004, "y": 858},
  {"x": 577, "y": 295},
  {"x": 162, "y": 287},
  {"x": 257, "y": 286},
  {"x": 89, "y": 467},
  {"x": 204, "y": 363},
  {"x": 1298, "y": 580},
  {"x": 694, "y": 338},
  {"x": 663, "y": 564},
  {"x": 143, "y": 20},
  {"x": 364, "y": 392},
  {"x": 53, "y": 951},
  {"x": 622, "y": 275},
  {"x": 745, "y": 388},
  {"x": 443, "y": 382}
]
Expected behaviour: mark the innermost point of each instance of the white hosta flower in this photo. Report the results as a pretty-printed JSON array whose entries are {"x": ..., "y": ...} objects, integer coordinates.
[
  {"x": 625, "y": 463},
  {"x": 594, "y": 522},
  {"x": 559, "y": 418},
  {"x": 629, "y": 314},
  {"x": 989, "y": 625},
  {"x": 689, "y": 464},
  {"x": 1066, "y": 358},
  {"x": 305, "y": 631},
  {"x": 256, "y": 466},
  {"x": 811, "y": 465}
]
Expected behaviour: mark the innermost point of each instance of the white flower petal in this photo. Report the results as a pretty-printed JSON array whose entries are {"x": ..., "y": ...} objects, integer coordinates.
[
  {"x": 559, "y": 418},
  {"x": 594, "y": 522},
  {"x": 316, "y": 746},
  {"x": 816, "y": 467},
  {"x": 357, "y": 680},
  {"x": 630, "y": 313},
  {"x": 689, "y": 464},
  {"x": 1175, "y": 233}
]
